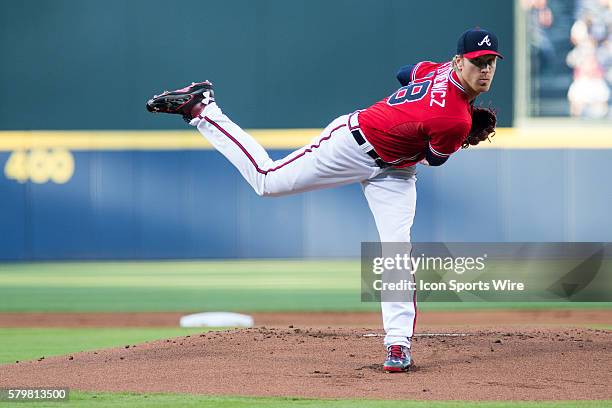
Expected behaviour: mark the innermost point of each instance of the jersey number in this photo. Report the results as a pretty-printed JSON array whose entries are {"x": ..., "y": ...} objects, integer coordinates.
[{"x": 410, "y": 93}]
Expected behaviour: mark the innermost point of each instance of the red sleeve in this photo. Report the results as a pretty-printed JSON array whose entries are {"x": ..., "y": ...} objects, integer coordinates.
[
  {"x": 446, "y": 134},
  {"x": 421, "y": 69}
]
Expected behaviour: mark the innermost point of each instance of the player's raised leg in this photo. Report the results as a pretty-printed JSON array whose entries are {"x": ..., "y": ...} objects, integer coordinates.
[
  {"x": 332, "y": 159},
  {"x": 392, "y": 200}
]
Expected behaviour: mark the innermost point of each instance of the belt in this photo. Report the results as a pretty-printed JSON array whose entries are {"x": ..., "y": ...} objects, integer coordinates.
[{"x": 367, "y": 148}]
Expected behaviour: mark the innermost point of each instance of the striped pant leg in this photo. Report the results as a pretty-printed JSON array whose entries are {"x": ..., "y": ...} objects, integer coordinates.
[
  {"x": 392, "y": 200},
  {"x": 331, "y": 159}
]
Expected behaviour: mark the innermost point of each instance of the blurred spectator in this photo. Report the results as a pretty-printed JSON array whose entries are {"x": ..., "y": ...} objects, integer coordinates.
[
  {"x": 570, "y": 57},
  {"x": 540, "y": 19},
  {"x": 589, "y": 93},
  {"x": 591, "y": 59}
]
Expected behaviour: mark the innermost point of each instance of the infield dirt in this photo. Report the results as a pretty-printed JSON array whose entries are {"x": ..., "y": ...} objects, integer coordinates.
[
  {"x": 465, "y": 363},
  {"x": 461, "y": 318}
]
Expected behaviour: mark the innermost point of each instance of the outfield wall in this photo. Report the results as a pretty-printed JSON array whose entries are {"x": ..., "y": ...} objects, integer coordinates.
[
  {"x": 170, "y": 196},
  {"x": 86, "y": 65}
]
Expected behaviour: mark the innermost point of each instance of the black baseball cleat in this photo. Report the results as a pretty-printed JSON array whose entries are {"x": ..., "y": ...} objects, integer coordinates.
[{"x": 188, "y": 102}]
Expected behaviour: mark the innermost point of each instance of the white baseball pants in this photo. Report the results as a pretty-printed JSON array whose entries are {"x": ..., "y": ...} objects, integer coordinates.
[{"x": 332, "y": 159}]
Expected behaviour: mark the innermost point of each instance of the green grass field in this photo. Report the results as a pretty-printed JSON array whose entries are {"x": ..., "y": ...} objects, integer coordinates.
[
  {"x": 181, "y": 286},
  {"x": 193, "y": 286},
  {"x": 31, "y": 343},
  {"x": 80, "y": 399},
  {"x": 250, "y": 285}
]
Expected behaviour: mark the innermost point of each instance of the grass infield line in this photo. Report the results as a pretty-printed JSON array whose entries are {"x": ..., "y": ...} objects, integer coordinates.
[
  {"x": 91, "y": 399},
  {"x": 25, "y": 343},
  {"x": 22, "y": 344}
]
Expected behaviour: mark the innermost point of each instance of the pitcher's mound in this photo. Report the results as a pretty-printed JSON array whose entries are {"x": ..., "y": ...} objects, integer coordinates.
[{"x": 512, "y": 364}]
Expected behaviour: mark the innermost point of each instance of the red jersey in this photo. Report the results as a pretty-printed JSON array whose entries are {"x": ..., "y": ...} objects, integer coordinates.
[{"x": 433, "y": 108}]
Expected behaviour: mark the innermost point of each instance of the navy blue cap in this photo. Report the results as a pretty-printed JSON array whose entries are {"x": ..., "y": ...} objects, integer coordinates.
[{"x": 476, "y": 42}]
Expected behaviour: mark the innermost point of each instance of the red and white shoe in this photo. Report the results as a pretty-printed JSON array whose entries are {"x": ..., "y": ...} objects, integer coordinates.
[{"x": 398, "y": 359}]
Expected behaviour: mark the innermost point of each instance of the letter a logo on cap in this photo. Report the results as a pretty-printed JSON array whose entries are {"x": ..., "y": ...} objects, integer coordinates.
[
  {"x": 476, "y": 42},
  {"x": 485, "y": 40}
]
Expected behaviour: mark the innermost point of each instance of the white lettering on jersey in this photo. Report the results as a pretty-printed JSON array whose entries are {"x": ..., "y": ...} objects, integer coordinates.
[
  {"x": 485, "y": 40},
  {"x": 440, "y": 85},
  {"x": 441, "y": 102}
]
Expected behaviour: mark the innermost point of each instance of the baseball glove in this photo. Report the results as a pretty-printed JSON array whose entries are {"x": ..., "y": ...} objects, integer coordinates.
[{"x": 483, "y": 126}]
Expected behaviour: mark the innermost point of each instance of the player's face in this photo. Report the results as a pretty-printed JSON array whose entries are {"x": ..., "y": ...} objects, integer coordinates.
[{"x": 477, "y": 73}]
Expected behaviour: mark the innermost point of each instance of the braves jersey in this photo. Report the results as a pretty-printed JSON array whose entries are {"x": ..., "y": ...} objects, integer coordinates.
[{"x": 431, "y": 112}]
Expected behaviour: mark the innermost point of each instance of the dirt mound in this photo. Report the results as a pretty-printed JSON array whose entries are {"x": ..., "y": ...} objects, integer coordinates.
[
  {"x": 429, "y": 318},
  {"x": 510, "y": 364}
]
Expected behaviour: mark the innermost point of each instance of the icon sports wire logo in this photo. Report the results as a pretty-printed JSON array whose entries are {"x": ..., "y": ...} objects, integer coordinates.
[{"x": 515, "y": 271}]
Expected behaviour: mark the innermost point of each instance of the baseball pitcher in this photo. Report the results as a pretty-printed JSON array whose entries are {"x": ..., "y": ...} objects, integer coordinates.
[{"x": 425, "y": 121}]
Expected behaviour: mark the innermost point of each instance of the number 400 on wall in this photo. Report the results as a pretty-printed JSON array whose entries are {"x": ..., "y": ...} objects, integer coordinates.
[{"x": 40, "y": 166}]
